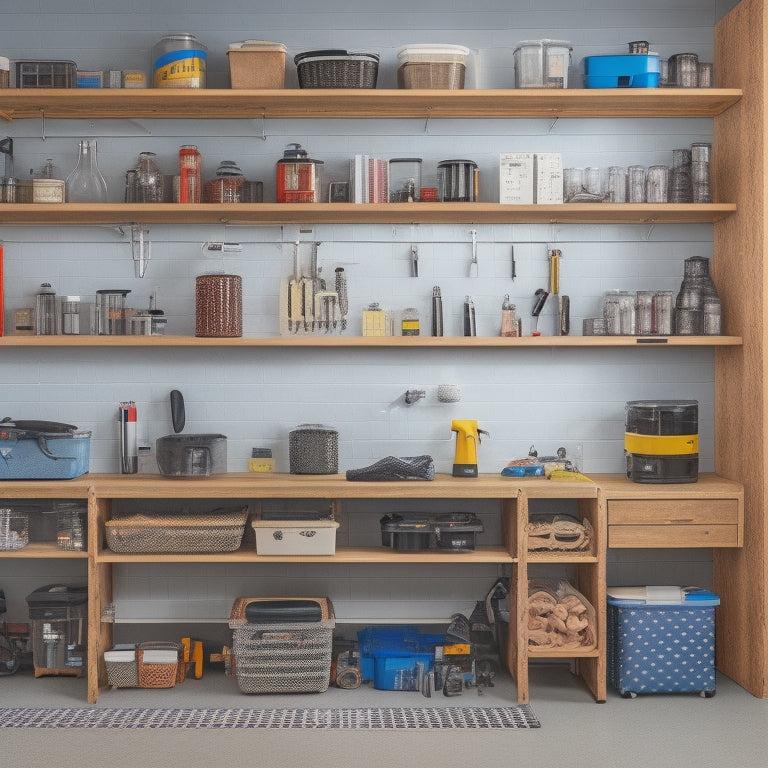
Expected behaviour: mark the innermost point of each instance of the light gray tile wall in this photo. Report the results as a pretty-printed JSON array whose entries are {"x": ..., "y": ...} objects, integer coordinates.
[{"x": 523, "y": 397}]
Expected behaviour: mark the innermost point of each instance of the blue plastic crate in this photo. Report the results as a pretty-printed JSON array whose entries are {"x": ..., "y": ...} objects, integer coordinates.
[
  {"x": 399, "y": 671},
  {"x": 629, "y": 71},
  {"x": 400, "y": 639},
  {"x": 661, "y": 648}
]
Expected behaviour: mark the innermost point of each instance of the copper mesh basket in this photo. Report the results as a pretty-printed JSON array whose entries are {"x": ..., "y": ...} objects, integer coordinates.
[
  {"x": 159, "y": 675},
  {"x": 219, "y": 306}
]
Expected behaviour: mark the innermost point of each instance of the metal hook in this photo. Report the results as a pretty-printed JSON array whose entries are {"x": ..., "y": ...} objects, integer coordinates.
[
  {"x": 42, "y": 123},
  {"x": 263, "y": 119},
  {"x": 553, "y": 123},
  {"x": 650, "y": 230},
  {"x": 428, "y": 109}
]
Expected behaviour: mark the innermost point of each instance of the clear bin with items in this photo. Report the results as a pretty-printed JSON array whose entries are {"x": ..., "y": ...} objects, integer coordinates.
[
  {"x": 542, "y": 63},
  {"x": 432, "y": 66}
]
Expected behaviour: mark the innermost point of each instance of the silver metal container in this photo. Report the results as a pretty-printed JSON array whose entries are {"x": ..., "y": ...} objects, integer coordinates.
[{"x": 313, "y": 449}]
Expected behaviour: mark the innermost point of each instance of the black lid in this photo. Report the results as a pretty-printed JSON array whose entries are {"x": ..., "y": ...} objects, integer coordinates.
[{"x": 331, "y": 53}]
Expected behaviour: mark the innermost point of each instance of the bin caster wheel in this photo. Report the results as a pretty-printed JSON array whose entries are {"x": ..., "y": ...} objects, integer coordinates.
[
  {"x": 628, "y": 695},
  {"x": 708, "y": 694}
]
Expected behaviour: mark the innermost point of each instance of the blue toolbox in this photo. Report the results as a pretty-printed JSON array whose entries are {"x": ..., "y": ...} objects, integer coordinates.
[
  {"x": 661, "y": 640},
  {"x": 629, "y": 71}
]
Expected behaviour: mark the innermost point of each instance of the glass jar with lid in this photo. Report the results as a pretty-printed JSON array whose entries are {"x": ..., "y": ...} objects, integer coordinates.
[
  {"x": 179, "y": 60},
  {"x": 298, "y": 176}
]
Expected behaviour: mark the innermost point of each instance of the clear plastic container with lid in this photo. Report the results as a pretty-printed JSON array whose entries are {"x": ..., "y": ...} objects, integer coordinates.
[
  {"x": 432, "y": 66},
  {"x": 542, "y": 63},
  {"x": 179, "y": 60}
]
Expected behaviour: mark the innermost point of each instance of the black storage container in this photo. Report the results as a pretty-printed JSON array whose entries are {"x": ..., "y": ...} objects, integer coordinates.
[
  {"x": 453, "y": 532},
  {"x": 59, "y": 613},
  {"x": 661, "y": 441}
]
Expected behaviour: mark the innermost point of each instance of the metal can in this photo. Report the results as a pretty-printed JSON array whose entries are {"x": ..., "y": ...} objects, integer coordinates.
[{"x": 179, "y": 60}]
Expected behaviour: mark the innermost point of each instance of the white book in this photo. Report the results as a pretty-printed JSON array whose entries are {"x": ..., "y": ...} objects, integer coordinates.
[{"x": 516, "y": 178}]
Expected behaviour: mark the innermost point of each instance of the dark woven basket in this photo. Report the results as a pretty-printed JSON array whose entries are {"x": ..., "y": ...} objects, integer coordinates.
[{"x": 336, "y": 69}]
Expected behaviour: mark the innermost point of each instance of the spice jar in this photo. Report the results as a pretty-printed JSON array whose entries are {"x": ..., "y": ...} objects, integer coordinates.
[{"x": 298, "y": 176}]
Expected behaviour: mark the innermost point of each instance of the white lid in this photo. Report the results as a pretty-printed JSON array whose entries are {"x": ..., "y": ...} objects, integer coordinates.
[
  {"x": 257, "y": 45},
  {"x": 545, "y": 43},
  {"x": 160, "y": 657},
  {"x": 433, "y": 49},
  {"x": 111, "y": 656},
  {"x": 5, "y": 62}
]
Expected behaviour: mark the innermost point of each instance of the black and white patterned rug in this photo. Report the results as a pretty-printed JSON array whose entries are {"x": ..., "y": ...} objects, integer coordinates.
[{"x": 519, "y": 716}]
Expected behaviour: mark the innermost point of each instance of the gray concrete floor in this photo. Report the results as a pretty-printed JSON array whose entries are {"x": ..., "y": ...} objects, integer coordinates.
[{"x": 730, "y": 729}]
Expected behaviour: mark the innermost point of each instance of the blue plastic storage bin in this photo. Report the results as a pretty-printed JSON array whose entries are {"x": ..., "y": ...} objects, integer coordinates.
[
  {"x": 399, "y": 671},
  {"x": 662, "y": 647},
  {"x": 629, "y": 71},
  {"x": 389, "y": 640}
]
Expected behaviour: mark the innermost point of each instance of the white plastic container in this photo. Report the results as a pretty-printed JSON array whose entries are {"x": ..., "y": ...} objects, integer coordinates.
[
  {"x": 295, "y": 537},
  {"x": 542, "y": 63},
  {"x": 432, "y": 66}
]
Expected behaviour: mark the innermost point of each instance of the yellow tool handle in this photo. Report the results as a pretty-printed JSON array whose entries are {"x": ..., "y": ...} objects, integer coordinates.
[
  {"x": 661, "y": 445},
  {"x": 554, "y": 271}
]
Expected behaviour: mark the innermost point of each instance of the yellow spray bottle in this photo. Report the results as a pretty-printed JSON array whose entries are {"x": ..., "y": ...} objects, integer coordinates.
[{"x": 467, "y": 440}]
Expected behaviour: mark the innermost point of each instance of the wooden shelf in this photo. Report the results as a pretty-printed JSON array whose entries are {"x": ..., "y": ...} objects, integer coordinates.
[
  {"x": 378, "y": 342},
  {"x": 229, "y": 104},
  {"x": 43, "y": 550},
  {"x": 266, "y": 214},
  {"x": 553, "y": 653},
  {"x": 343, "y": 555}
]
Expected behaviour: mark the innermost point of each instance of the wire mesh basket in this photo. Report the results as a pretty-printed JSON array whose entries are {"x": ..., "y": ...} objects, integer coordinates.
[
  {"x": 218, "y": 531},
  {"x": 313, "y": 449},
  {"x": 337, "y": 69},
  {"x": 14, "y": 529}
]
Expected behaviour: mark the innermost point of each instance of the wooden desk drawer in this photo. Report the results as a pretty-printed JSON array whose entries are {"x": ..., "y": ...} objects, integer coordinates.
[{"x": 673, "y": 523}]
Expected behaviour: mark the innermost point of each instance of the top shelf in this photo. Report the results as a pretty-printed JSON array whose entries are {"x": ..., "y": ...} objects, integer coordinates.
[{"x": 168, "y": 103}]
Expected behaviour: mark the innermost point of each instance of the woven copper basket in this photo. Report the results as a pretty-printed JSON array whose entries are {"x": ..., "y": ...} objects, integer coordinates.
[{"x": 219, "y": 306}]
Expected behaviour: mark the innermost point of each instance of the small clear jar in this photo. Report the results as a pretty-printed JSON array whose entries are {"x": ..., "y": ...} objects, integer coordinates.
[
  {"x": 409, "y": 322},
  {"x": 405, "y": 180}
]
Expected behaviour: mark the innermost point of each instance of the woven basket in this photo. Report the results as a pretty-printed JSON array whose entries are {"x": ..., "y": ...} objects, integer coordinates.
[
  {"x": 159, "y": 675},
  {"x": 337, "y": 69},
  {"x": 219, "y": 531},
  {"x": 431, "y": 74}
]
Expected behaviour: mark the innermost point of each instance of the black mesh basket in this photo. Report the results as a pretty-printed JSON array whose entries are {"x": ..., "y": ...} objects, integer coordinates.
[{"x": 336, "y": 69}]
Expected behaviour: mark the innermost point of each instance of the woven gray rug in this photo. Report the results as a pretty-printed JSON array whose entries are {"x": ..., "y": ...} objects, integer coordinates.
[{"x": 519, "y": 716}]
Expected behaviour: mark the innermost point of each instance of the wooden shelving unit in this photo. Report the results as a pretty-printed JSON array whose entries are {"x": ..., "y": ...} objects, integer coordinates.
[
  {"x": 513, "y": 496},
  {"x": 17, "y": 104},
  {"x": 374, "y": 342}
]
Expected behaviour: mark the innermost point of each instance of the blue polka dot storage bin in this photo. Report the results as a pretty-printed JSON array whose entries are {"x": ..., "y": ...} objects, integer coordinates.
[{"x": 661, "y": 648}]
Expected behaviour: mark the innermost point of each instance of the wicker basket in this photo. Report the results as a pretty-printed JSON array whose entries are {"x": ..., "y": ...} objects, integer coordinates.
[
  {"x": 337, "y": 69},
  {"x": 282, "y": 657},
  {"x": 154, "y": 670},
  {"x": 218, "y": 531},
  {"x": 14, "y": 529}
]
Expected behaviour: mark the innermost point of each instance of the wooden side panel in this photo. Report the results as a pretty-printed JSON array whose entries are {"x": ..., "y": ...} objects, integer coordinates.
[{"x": 740, "y": 174}]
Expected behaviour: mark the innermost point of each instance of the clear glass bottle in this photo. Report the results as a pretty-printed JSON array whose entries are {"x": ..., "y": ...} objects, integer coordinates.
[
  {"x": 149, "y": 179},
  {"x": 86, "y": 184},
  {"x": 697, "y": 295}
]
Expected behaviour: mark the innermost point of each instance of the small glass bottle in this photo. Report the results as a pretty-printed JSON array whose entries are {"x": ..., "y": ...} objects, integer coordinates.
[
  {"x": 409, "y": 322},
  {"x": 508, "y": 317},
  {"x": 86, "y": 184}
]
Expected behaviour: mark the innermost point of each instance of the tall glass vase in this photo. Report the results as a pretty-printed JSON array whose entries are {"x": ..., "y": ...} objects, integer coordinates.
[{"x": 86, "y": 184}]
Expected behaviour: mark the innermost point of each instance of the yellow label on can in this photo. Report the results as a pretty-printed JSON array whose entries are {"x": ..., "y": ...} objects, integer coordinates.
[
  {"x": 181, "y": 69},
  {"x": 661, "y": 445}
]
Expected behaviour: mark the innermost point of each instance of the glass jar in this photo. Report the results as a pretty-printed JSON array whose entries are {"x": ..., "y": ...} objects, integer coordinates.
[
  {"x": 509, "y": 325},
  {"x": 697, "y": 291},
  {"x": 149, "y": 179},
  {"x": 70, "y": 315},
  {"x": 179, "y": 60},
  {"x": 227, "y": 187},
  {"x": 86, "y": 184},
  {"x": 405, "y": 179}
]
